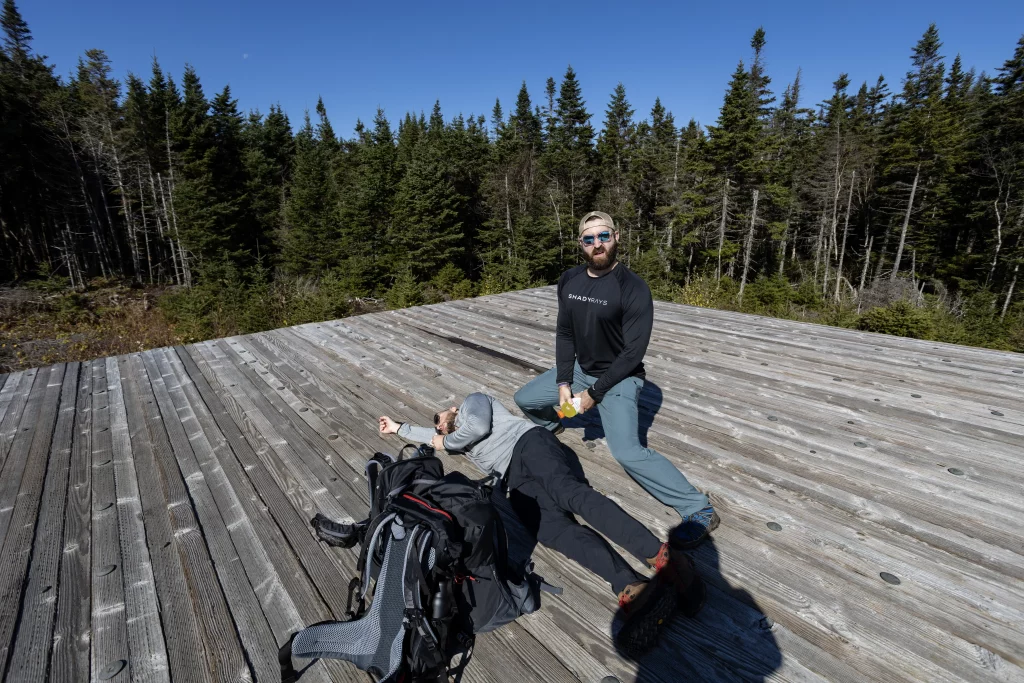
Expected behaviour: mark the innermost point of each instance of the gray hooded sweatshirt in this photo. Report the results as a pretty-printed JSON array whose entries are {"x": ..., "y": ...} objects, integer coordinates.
[{"x": 485, "y": 431}]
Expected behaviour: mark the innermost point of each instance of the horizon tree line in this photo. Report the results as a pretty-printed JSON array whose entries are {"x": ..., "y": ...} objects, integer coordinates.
[{"x": 155, "y": 182}]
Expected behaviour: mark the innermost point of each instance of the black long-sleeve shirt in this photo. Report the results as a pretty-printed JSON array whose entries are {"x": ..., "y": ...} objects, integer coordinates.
[{"x": 605, "y": 323}]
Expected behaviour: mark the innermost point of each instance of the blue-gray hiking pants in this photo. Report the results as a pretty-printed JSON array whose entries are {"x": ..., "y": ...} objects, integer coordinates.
[{"x": 620, "y": 417}]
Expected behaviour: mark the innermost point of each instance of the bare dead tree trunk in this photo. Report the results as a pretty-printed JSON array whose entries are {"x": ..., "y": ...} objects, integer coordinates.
[
  {"x": 508, "y": 222},
  {"x": 846, "y": 230},
  {"x": 721, "y": 230},
  {"x": 999, "y": 242},
  {"x": 160, "y": 227},
  {"x": 675, "y": 169},
  {"x": 133, "y": 238},
  {"x": 97, "y": 146},
  {"x": 881, "y": 254},
  {"x": 145, "y": 224},
  {"x": 818, "y": 247},
  {"x": 867, "y": 261},
  {"x": 782, "y": 248},
  {"x": 186, "y": 269},
  {"x": 186, "y": 278},
  {"x": 837, "y": 184},
  {"x": 1009, "y": 293},
  {"x": 748, "y": 246},
  {"x": 68, "y": 251},
  {"x": 558, "y": 220},
  {"x": 668, "y": 245},
  {"x": 101, "y": 251},
  {"x": 906, "y": 222}
]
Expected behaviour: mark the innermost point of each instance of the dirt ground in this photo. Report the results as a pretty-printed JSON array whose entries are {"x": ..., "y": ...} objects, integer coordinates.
[{"x": 40, "y": 327}]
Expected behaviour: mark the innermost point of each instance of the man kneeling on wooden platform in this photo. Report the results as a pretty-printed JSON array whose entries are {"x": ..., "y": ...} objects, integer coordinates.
[{"x": 546, "y": 488}]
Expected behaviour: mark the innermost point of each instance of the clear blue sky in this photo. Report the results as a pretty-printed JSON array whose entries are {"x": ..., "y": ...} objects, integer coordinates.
[{"x": 402, "y": 56}]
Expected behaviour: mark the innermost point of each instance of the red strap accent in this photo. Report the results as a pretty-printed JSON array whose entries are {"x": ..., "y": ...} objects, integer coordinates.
[{"x": 426, "y": 505}]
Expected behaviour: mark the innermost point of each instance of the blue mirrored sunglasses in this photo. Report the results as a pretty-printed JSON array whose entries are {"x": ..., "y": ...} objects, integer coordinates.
[{"x": 602, "y": 237}]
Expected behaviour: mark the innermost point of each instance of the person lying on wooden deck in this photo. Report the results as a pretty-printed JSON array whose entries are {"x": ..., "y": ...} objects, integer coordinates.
[{"x": 546, "y": 488}]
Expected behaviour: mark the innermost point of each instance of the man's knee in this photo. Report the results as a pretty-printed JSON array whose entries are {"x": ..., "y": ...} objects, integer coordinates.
[{"x": 522, "y": 397}]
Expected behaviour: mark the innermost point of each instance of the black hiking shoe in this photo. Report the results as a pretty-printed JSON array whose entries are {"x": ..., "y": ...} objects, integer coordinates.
[
  {"x": 645, "y": 608},
  {"x": 691, "y": 593},
  {"x": 694, "y": 528},
  {"x": 337, "y": 535}
]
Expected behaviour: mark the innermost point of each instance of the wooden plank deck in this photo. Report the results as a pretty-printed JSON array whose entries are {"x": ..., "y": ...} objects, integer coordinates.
[{"x": 154, "y": 507}]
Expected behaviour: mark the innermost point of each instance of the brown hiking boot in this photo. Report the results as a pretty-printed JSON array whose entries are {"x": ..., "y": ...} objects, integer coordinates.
[
  {"x": 645, "y": 607},
  {"x": 678, "y": 568}
]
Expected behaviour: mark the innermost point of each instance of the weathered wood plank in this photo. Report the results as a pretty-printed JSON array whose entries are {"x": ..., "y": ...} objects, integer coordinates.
[
  {"x": 17, "y": 543},
  {"x": 69, "y": 660},
  {"x": 109, "y": 634},
  {"x": 274, "y": 573},
  {"x": 34, "y": 636},
  {"x": 253, "y": 631},
  {"x": 287, "y": 517},
  {"x": 147, "y": 649},
  {"x": 201, "y": 639},
  {"x": 316, "y": 566},
  {"x": 13, "y": 388},
  {"x": 324, "y": 461},
  {"x": 19, "y": 443}
]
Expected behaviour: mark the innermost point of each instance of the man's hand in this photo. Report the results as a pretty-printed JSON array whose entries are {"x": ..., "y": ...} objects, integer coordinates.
[
  {"x": 564, "y": 394},
  {"x": 387, "y": 425},
  {"x": 438, "y": 442},
  {"x": 586, "y": 403}
]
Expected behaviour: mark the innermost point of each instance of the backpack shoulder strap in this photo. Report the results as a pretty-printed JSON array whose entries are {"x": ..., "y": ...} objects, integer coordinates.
[{"x": 284, "y": 659}]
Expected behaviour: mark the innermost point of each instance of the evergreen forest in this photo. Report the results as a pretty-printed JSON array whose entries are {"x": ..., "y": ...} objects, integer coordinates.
[{"x": 895, "y": 205}]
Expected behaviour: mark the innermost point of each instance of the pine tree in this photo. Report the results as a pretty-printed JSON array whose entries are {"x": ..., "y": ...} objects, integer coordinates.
[
  {"x": 427, "y": 229},
  {"x": 569, "y": 162},
  {"x": 17, "y": 36},
  {"x": 919, "y": 152},
  {"x": 312, "y": 241},
  {"x": 1000, "y": 141},
  {"x": 734, "y": 139},
  {"x": 372, "y": 174},
  {"x": 614, "y": 150},
  {"x": 514, "y": 245},
  {"x": 268, "y": 156}
]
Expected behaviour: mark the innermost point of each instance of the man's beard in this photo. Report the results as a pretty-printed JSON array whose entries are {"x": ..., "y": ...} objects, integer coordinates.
[
  {"x": 603, "y": 260},
  {"x": 451, "y": 424}
]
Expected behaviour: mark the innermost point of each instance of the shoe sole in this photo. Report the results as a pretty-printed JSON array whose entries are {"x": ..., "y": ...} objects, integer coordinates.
[
  {"x": 640, "y": 632},
  {"x": 688, "y": 545}
]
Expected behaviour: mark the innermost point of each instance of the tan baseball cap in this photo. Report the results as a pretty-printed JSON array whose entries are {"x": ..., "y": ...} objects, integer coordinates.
[{"x": 597, "y": 219}]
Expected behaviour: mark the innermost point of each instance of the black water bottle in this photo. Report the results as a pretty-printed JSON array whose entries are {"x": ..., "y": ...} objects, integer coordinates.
[{"x": 442, "y": 600}]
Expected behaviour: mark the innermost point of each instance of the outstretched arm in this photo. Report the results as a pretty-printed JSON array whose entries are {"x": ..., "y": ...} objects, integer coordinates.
[{"x": 408, "y": 431}]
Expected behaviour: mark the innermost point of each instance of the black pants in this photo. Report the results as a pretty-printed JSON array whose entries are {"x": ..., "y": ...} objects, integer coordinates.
[{"x": 547, "y": 487}]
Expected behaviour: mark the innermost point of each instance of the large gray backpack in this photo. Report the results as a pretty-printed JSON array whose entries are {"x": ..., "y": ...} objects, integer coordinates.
[{"x": 435, "y": 551}]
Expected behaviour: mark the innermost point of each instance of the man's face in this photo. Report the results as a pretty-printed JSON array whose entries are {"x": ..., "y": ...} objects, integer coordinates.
[
  {"x": 444, "y": 421},
  {"x": 599, "y": 254}
]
